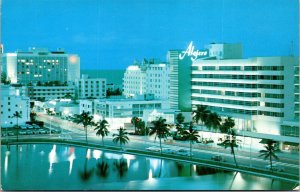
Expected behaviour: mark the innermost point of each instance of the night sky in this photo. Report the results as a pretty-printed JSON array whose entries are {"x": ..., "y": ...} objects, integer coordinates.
[{"x": 111, "y": 34}]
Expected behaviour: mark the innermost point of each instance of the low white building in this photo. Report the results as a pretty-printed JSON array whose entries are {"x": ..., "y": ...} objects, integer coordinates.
[
  {"x": 45, "y": 93},
  {"x": 90, "y": 87},
  {"x": 120, "y": 111},
  {"x": 10, "y": 103}
]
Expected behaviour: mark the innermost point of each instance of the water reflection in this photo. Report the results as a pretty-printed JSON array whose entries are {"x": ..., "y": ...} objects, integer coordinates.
[
  {"x": 121, "y": 166},
  {"x": 86, "y": 174},
  {"x": 7, "y": 153},
  {"x": 71, "y": 159},
  {"x": 52, "y": 159},
  {"x": 73, "y": 168}
]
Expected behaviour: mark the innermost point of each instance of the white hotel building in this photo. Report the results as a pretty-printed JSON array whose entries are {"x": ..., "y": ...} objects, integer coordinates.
[
  {"x": 259, "y": 93},
  {"x": 41, "y": 65},
  {"x": 45, "y": 93},
  {"x": 148, "y": 78},
  {"x": 90, "y": 87},
  {"x": 10, "y": 103}
]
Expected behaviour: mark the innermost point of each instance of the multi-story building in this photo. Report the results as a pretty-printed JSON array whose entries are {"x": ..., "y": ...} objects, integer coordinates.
[
  {"x": 90, "y": 87},
  {"x": 40, "y": 65},
  {"x": 45, "y": 93},
  {"x": 257, "y": 92},
  {"x": 10, "y": 104},
  {"x": 147, "y": 78},
  {"x": 180, "y": 69}
]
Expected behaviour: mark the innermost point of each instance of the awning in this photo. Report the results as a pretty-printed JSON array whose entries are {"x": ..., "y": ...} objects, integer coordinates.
[
  {"x": 265, "y": 141},
  {"x": 290, "y": 143}
]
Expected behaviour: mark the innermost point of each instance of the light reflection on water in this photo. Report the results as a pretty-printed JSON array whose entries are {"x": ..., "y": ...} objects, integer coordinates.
[{"x": 75, "y": 168}]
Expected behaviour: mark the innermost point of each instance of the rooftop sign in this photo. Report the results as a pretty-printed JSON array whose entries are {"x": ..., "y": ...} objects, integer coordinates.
[{"x": 191, "y": 53}]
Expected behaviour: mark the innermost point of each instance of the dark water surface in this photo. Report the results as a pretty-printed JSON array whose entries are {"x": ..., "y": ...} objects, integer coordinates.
[{"x": 62, "y": 167}]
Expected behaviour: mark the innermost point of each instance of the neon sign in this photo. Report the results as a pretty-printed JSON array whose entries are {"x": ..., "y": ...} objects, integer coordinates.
[{"x": 191, "y": 53}]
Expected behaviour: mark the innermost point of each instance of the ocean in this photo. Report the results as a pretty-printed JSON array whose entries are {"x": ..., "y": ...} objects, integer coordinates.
[{"x": 111, "y": 76}]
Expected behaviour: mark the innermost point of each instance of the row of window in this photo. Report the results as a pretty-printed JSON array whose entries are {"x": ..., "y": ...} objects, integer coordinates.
[
  {"x": 226, "y": 93},
  {"x": 247, "y": 77},
  {"x": 240, "y": 68},
  {"x": 247, "y": 112},
  {"x": 92, "y": 82},
  {"x": 289, "y": 131},
  {"x": 226, "y": 101},
  {"x": 238, "y": 85}
]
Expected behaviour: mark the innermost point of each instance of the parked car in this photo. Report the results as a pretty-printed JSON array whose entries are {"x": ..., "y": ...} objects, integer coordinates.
[
  {"x": 22, "y": 132},
  {"x": 183, "y": 152},
  {"x": 35, "y": 126},
  {"x": 29, "y": 126},
  {"x": 28, "y": 132},
  {"x": 217, "y": 158},
  {"x": 10, "y": 133},
  {"x": 42, "y": 131},
  {"x": 155, "y": 149},
  {"x": 275, "y": 167},
  {"x": 23, "y": 127}
]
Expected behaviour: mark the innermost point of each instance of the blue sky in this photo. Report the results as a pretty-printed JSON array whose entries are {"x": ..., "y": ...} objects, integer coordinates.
[{"x": 110, "y": 34}]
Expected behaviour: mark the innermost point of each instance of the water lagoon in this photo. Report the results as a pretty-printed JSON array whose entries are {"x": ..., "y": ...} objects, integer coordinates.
[{"x": 62, "y": 167}]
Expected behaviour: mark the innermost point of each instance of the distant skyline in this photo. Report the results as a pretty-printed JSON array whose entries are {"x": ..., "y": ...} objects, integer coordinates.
[{"x": 111, "y": 34}]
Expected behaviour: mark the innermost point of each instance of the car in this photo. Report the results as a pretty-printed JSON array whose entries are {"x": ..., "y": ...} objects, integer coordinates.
[
  {"x": 168, "y": 150},
  {"x": 23, "y": 127},
  {"x": 42, "y": 131},
  {"x": 22, "y": 132},
  {"x": 29, "y": 126},
  {"x": 155, "y": 149},
  {"x": 275, "y": 167},
  {"x": 36, "y": 126},
  {"x": 217, "y": 158},
  {"x": 10, "y": 133},
  {"x": 183, "y": 152},
  {"x": 28, "y": 132}
]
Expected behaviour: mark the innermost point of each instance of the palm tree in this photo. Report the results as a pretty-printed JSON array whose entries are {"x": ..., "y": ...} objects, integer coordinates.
[
  {"x": 191, "y": 135},
  {"x": 227, "y": 125},
  {"x": 135, "y": 120},
  {"x": 179, "y": 118},
  {"x": 121, "y": 166},
  {"x": 17, "y": 115},
  {"x": 86, "y": 174},
  {"x": 102, "y": 169},
  {"x": 85, "y": 119},
  {"x": 270, "y": 151},
  {"x": 230, "y": 141},
  {"x": 121, "y": 137},
  {"x": 213, "y": 121},
  {"x": 160, "y": 129},
  {"x": 201, "y": 114},
  {"x": 102, "y": 130},
  {"x": 33, "y": 116}
]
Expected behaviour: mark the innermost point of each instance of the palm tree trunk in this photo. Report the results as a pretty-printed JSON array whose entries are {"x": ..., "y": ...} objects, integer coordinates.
[
  {"x": 190, "y": 149},
  {"x": 233, "y": 153},
  {"x": 102, "y": 142},
  {"x": 17, "y": 129},
  {"x": 160, "y": 146},
  {"x": 85, "y": 134},
  {"x": 271, "y": 163}
]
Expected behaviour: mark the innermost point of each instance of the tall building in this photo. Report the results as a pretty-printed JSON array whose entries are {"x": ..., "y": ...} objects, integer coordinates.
[
  {"x": 258, "y": 92},
  {"x": 41, "y": 65},
  {"x": 148, "y": 78},
  {"x": 10, "y": 104},
  {"x": 90, "y": 87},
  {"x": 180, "y": 69}
]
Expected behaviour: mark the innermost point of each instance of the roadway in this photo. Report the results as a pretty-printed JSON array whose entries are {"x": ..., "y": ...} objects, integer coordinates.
[{"x": 71, "y": 131}]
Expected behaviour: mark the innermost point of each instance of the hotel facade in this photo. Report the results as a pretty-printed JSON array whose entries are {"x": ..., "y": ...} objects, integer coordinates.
[
  {"x": 261, "y": 93},
  {"x": 40, "y": 65}
]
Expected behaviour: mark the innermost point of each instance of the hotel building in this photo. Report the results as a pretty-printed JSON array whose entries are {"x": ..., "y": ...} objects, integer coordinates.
[
  {"x": 40, "y": 65},
  {"x": 45, "y": 93},
  {"x": 259, "y": 93},
  {"x": 147, "y": 78},
  {"x": 10, "y": 103},
  {"x": 90, "y": 87}
]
